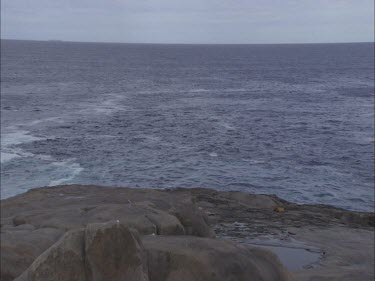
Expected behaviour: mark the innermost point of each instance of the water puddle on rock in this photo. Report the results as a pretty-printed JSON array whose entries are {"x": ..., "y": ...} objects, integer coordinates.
[
  {"x": 294, "y": 254},
  {"x": 294, "y": 258}
]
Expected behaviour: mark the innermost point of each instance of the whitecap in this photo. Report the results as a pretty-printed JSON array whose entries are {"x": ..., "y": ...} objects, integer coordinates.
[
  {"x": 199, "y": 90},
  {"x": 252, "y": 161},
  {"x": 6, "y": 156},
  {"x": 36, "y": 122},
  {"x": 13, "y": 138},
  {"x": 9, "y": 154},
  {"x": 227, "y": 126},
  {"x": 69, "y": 171},
  {"x": 112, "y": 103},
  {"x": 17, "y": 137}
]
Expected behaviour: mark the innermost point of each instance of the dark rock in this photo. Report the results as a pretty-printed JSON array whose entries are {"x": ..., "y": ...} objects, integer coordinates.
[
  {"x": 113, "y": 252},
  {"x": 62, "y": 261},
  {"x": 20, "y": 247},
  {"x": 194, "y": 220},
  {"x": 18, "y": 220}
]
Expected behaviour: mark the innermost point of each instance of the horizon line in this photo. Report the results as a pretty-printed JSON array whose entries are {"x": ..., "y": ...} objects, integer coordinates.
[{"x": 176, "y": 43}]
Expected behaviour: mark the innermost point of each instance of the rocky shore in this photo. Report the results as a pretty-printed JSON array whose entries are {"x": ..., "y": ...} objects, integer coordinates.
[{"x": 101, "y": 233}]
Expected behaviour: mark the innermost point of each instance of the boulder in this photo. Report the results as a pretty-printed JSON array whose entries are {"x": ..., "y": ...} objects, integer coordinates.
[
  {"x": 166, "y": 224},
  {"x": 113, "y": 252},
  {"x": 194, "y": 221},
  {"x": 63, "y": 261},
  {"x": 21, "y": 245},
  {"x": 187, "y": 258},
  {"x": 144, "y": 218},
  {"x": 100, "y": 252}
]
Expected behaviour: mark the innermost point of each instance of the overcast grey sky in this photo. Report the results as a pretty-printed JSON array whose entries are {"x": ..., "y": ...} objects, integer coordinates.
[{"x": 193, "y": 21}]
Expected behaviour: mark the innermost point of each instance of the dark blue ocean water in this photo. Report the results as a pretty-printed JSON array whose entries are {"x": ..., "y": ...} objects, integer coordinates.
[{"x": 293, "y": 120}]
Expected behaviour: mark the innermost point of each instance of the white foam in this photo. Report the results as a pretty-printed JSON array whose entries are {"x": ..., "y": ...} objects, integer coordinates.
[
  {"x": 36, "y": 122},
  {"x": 6, "y": 156},
  {"x": 13, "y": 138},
  {"x": 17, "y": 137},
  {"x": 151, "y": 138},
  {"x": 69, "y": 169},
  {"x": 213, "y": 154},
  {"x": 252, "y": 161},
  {"x": 227, "y": 126},
  {"x": 368, "y": 139},
  {"x": 109, "y": 106},
  {"x": 200, "y": 91}
]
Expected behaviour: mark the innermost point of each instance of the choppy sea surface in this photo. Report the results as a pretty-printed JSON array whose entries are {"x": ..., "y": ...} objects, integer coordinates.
[{"x": 291, "y": 120}]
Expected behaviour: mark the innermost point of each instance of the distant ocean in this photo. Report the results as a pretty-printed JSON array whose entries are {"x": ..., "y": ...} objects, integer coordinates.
[{"x": 291, "y": 120}]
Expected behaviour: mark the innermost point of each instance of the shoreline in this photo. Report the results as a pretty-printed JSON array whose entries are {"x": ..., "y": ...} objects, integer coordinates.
[
  {"x": 323, "y": 205},
  {"x": 327, "y": 241}
]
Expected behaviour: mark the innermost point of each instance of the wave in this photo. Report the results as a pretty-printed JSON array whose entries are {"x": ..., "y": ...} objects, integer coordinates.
[
  {"x": 9, "y": 141},
  {"x": 61, "y": 171},
  {"x": 69, "y": 171}
]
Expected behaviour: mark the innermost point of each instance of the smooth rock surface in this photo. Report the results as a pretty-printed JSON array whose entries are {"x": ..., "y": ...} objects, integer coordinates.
[
  {"x": 100, "y": 252},
  {"x": 21, "y": 245},
  {"x": 113, "y": 252},
  {"x": 202, "y": 259},
  {"x": 62, "y": 261}
]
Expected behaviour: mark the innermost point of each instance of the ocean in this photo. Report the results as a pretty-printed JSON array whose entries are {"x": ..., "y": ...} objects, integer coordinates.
[{"x": 292, "y": 120}]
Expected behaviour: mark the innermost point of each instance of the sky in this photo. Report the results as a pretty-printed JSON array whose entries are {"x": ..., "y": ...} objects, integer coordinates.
[{"x": 193, "y": 21}]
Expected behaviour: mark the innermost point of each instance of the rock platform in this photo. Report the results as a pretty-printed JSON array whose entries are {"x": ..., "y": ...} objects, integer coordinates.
[{"x": 77, "y": 232}]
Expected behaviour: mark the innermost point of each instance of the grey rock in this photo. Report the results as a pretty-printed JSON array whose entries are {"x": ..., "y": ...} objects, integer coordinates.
[
  {"x": 62, "y": 261},
  {"x": 19, "y": 248},
  {"x": 113, "y": 252},
  {"x": 32, "y": 222},
  {"x": 204, "y": 259}
]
